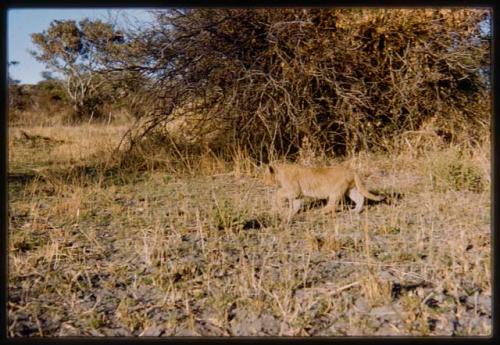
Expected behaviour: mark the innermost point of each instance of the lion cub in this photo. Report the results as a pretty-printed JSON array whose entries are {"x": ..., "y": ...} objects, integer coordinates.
[{"x": 333, "y": 182}]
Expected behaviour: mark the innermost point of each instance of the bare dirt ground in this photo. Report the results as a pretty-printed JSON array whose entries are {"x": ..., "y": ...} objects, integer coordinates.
[{"x": 151, "y": 253}]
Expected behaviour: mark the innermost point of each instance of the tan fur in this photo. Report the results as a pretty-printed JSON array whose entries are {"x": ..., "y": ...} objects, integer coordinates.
[{"x": 333, "y": 182}]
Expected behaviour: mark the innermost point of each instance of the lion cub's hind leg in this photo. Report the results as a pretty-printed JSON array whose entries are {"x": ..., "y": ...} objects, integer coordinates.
[
  {"x": 333, "y": 201},
  {"x": 357, "y": 197},
  {"x": 336, "y": 195},
  {"x": 295, "y": 205}
]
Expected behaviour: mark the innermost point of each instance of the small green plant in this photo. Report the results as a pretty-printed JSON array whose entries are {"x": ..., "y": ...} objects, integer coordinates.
[
  {"x": 464, "y": 177},
  {"x": 226, "y": 216},
  {"x": 457, "y": 172}
]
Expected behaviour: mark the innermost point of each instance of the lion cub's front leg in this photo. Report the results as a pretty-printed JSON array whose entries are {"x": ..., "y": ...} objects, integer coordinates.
[{"x": 294, "y": 203}]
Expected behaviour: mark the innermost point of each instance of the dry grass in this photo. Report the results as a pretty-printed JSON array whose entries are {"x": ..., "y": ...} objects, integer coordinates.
[{"x": 150, "y": 253}]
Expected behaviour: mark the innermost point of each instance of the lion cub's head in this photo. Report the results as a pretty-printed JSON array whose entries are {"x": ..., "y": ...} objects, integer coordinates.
[{"x": 269, "y": 174}]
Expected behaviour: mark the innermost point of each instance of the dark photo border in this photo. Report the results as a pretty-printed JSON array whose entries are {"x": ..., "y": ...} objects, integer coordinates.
[{"x": 495, "y": 196}]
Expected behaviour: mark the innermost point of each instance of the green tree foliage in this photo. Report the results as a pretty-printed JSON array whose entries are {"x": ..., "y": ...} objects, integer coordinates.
[
  {"x": 38, "y": 104},
  {"x": 15, "y": 92},
  {"x": 74, "y": 50},
  {"x": 12, "y": 81}
]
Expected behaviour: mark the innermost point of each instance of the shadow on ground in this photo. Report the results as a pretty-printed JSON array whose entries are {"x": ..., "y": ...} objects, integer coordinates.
[
  {"x": 83, "y": 175},
  {"x": 389, "y": 199},
  {"x": 22, "y": 178}
]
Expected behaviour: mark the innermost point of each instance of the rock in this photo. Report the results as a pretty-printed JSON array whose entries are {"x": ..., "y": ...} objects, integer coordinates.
[
  {"x": 482, "y": 303},
  {"x": 96, "y": 333},
  {"x": 339, "y": 328},
  {"x": 481, "y": 323},
  {"x": 391, "y": 313},
  {"x": 444, "y": 326},
  {"x": 386, "y": 275},
  {"x": 151, "y": 331},
  {"x": 245, "y": 323},
  {"x": 184, "y": 332},
  {"x": 400, "y": 313},
  {"x": 362, "y": 306},
  {"x": 382, "y": 311},
  {"x": 471, "y": 324},
  {"x": 43, "y": 205},
  {"x": 355, "y": 331},
  {"x": 270, "y": 325},
  {"x": 116, "y": 332},
  {"x": 68, "y": 330},
  {"x": 303, "y": 294},
  {"x": 431, "y": 323},
  {"x": 386, "y": 330},
  {"x": 432, "y": 303},
  {"x": 211, "y": 316},
  {"x": 209, "y": 329},
  {"x": 27, "y": 329},
  {"x": 319, "y": 325}
]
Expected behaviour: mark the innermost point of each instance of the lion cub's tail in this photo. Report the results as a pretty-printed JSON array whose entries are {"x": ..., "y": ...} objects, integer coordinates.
[{"x": 364, "y": 191}]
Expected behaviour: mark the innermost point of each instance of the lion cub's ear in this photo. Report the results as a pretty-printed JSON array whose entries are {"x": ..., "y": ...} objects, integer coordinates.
[{"x": 271, "y": 169}]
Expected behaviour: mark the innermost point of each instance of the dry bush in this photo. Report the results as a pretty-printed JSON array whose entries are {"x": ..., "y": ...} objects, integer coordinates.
[{"x": 348, "y": 79}]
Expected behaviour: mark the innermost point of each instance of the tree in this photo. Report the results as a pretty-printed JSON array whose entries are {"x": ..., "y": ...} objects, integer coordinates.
[
  {"x": 15, "y": 91},
  {"x": 47, "y": 75},
  {"x": 12, "y": 81},
  {"x": 74, "y": 50}
]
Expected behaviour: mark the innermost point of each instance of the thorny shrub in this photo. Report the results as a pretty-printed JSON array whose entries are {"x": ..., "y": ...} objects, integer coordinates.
[{"x": 348, "y": 79}]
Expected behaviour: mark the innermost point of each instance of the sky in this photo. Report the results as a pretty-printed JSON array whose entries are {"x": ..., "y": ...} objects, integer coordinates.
[{"x": 21, "y": 23}]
